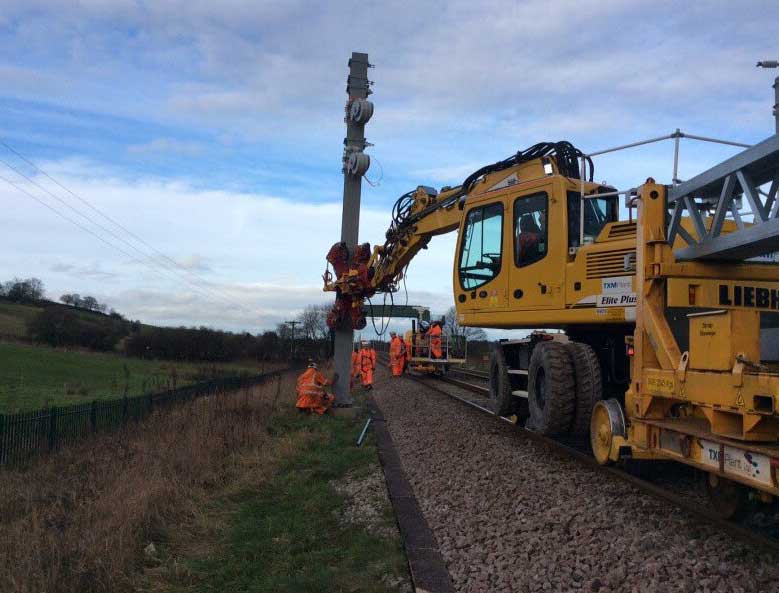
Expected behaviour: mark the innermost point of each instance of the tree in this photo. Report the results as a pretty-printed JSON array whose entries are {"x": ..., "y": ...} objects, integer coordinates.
[
  {"x": 313, "y": 322},
  {"x": 90, "y": 303},
  {"x": 29, "y": 290},
  {"x": 455, "y": 330}
]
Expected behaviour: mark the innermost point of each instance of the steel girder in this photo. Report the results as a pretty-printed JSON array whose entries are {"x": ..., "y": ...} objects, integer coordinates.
[{"x": 718, "y": 190}]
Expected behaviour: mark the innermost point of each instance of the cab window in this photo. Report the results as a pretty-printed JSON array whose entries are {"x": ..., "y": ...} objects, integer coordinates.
[
  {"x": 481, "y": 249},
  {"x": 597, "y": 213},
  {"x": 530, "y": 229}
]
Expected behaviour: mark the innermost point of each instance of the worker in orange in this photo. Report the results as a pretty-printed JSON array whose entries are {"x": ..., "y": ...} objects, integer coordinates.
[
  {"x": 312, "y": 396},
  {"x": 436, "y": 343},
  {"x": 397, "y": 354},
  {"x": 367, "y": 364},
  {"x": 355, "y": 365}
]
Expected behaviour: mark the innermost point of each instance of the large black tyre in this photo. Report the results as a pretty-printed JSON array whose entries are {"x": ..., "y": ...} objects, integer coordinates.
[
  {"x": 589, "y": 385},
  {"x": 551, "y": 389},
  {"x": 500, "y": 384}
]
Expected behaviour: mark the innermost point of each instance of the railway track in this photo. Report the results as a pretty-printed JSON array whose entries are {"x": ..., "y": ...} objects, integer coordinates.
[{"x": 481, "y": 401}]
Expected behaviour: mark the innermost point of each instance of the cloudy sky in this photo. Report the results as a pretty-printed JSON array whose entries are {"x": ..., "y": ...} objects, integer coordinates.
[{"x": 211, "y": 132}]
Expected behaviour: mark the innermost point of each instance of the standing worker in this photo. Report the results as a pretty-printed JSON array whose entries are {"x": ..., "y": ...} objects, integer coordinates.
[
  {"x": 367, "y": 364},
  {"x": 397, "y": 354},
  {"x": 312, "y": 396},
  {"x": 434, "y": 335}
]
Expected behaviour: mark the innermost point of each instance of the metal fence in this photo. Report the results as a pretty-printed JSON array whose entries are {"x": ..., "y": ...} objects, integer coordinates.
[{"x": 28, "y": 434}]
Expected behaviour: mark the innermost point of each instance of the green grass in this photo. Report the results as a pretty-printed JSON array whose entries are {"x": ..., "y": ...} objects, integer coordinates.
[
  {"x": 286, "y": 537},
  {"x": 33, "y": 377},
  {"x": 14, "y": 319}
]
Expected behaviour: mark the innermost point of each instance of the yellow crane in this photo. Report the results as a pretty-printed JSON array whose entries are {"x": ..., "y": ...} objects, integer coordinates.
[{"x": 662, "y": 312}]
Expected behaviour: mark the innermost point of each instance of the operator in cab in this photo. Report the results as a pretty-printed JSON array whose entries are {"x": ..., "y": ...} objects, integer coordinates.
[
  {"x": 310, "y": 388},
  {"x": 367, "y": 357},
  {"x": 528, "y": 240},
  {"x": 397, "y": 354}
]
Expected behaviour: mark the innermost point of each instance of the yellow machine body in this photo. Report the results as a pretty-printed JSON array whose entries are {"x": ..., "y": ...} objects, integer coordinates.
[{"x": 711, "y": 402}]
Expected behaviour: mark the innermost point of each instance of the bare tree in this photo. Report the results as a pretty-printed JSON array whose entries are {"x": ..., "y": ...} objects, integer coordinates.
[
  {"x": 29, "y": 290},
  {"x": 90, "y": 303},
  {"x": 313, "y": 322},
  {"x": 454, "y": 329}
]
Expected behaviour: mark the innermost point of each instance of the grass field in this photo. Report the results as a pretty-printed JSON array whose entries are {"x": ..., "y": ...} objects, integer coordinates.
[
  {"x": 14, "y": 319},
  {"x": 237, "y": 493},
  {"x": 287, "y": 536},
  {"x": 33, "y": 377},
  {"x": 290, "y": 535}
]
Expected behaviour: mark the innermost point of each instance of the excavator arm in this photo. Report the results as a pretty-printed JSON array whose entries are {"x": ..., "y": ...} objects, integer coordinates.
[{"x": 418, "y": 216}]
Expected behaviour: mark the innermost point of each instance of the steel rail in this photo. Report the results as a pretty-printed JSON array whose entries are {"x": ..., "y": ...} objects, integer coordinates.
[
  {"x": 470, "y": 373},
  {"x": 755, "y": 540}
]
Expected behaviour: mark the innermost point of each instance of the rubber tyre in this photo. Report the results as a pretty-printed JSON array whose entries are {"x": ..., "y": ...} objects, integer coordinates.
[
  {"x": 551, "y": 395},
  {"x": 500, "y": 384},
  {"x": 589, "y": 385}
]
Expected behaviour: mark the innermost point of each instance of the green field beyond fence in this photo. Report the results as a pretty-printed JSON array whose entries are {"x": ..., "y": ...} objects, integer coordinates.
[
  {"x": 34, "y": 377},
  {"x": 29, "y": 434}
]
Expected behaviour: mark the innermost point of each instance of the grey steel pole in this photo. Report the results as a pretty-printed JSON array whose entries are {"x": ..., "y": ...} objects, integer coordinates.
[
  {"x": 677, "y": 135},
  {"x": 355, "y": 164}
]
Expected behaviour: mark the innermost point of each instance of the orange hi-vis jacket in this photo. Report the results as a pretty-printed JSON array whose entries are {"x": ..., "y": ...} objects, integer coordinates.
[
  {"x": 436, "y": 350},
  {"x": 355, "y": 364},
  {"x": 367, "y": 365},
  {"x": 397, "y": 353},
  {"x": 311, "y": 393}
]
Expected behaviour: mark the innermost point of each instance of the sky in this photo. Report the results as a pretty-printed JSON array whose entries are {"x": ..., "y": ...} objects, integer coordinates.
[{"x": 211, "y": 132}]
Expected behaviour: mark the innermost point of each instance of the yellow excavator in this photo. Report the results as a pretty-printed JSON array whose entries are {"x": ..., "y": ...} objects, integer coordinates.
[{"x": 669, "y": 316}]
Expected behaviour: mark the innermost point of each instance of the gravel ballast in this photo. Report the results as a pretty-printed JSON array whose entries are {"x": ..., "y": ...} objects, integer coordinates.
[{"x": 511, "y": 515}]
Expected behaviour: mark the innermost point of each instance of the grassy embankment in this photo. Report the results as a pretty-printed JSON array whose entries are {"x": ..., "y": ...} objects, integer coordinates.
[
  {"x": 237, "y": 493},
  {"x": 32, "y": 377}
]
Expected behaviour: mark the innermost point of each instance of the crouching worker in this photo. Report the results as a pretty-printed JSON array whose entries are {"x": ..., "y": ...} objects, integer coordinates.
[{"x": 312, "y": 396}]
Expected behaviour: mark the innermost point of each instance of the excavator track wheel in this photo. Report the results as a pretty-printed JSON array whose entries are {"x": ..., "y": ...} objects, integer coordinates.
[
  {"x": 608, "y": 421},
  {"x": 551, "y": 396}
]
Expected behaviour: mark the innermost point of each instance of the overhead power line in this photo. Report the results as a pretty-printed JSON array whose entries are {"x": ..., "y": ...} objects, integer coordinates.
[{"x": 150, "y": 262}]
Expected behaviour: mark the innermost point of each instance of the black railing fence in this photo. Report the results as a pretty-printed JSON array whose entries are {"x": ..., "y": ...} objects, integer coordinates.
[{"x": 28, "y": 434}]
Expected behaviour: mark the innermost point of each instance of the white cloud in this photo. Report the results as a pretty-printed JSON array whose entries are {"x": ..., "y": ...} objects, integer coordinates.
[{"x": 250, "y": 261}]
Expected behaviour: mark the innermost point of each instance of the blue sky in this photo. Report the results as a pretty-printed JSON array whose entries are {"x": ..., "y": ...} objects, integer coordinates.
[{"x": 213, "y": 130}]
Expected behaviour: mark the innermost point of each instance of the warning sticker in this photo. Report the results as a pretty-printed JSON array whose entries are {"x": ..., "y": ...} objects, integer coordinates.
[{"x": 738, "y": 462}]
